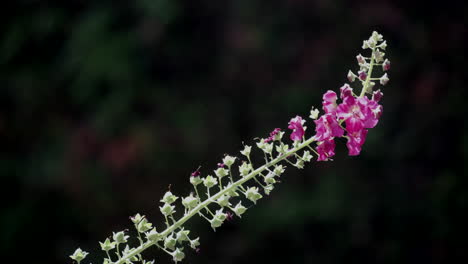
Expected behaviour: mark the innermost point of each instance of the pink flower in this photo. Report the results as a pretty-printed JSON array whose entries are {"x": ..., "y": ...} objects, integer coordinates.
[
  {"x": 355, "y": 142},
  {"x": 359, "y": 113},
  {"x": 296, "y": 124},
  {"x": 273, "y": 135},
  {"x": 327, "y": 127},
  {"x": 325, "y": 149},
  {"x": 376, "y": 96},
  {"x": 346, "y": 91},
  {"x": 329, "y": 102}
]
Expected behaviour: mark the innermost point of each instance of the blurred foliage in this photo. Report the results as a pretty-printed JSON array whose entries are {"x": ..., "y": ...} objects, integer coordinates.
[{"x": 103, "y": 104}]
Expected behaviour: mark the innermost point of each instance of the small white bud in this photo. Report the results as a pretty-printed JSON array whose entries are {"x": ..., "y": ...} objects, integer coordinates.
[
  {"x": 170, "y": 242},
  {"x": 314, "y": 112},
  {"x": 169, "y": 198},
  {"x": 119, "y": 237},
  {"x": 190, "y": 202},
  {"x": 307, "y": 156},
  {"x": 182, "y": 235},
  {"x": 223, "y": 201},
  {"x": 228, "y": 160},
  {"x": 360, "y": 59},
  {"x": 210, "y": 181},
  {"x": 79, "y": 255},
  {"x": 221, "y": 172},
  {"x": 279, "y": 169},
  {"x": 376, "y": 36},
  {"x": 246, "y": 151},
  {"x": 383, "y": 45},
  {"x": 239, "y": 209},
  {"x": 351, "y": 76},
  {"x": 144, "y": 226},
  {"x": 252, "y": 194},
  {"x": 267, "y": 189},
  {"x": 384, "y": 79},
  {"x": 270, "y": 178},
  {"x": 195, "y": 243},
  {"x": 195, "y": 180},
  {"x": 153, "y": 235},
  {"x": 379, "y": 56},
  {"x": 107, "y": 245},
  {"x": 178, "y": 255},
  {"x": 245, "y": 168},
  {"x": 167, "y": 209}
]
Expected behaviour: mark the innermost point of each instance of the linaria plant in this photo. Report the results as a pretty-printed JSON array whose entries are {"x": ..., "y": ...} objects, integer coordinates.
[{"x": 236, "y": 181}]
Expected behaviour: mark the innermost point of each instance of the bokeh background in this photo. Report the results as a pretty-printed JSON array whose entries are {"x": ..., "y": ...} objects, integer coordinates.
[{"x": 103, "y": 104}]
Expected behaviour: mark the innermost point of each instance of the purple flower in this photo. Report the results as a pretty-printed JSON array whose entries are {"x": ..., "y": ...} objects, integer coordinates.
[
  {"x": 195, "y": 173},
  {"x": 329, "y": 102},
  {"x": 325, "y": 149},
  {"x": 355, "y": 142},
  {"x": 327, "y": 127},
  {"x": 296, "y": 124}
]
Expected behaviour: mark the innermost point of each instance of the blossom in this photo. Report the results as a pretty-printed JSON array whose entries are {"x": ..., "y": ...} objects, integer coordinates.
[
  {"x": 359, "y": 113},
  {"x": 325, "y": 149},
  {"x": 355, "y": 141},
  {"x": 346, "y": 91},
  {"x": 329, "y": 102},
  {"x": 327, "y": 127},
  {"x": 296, "y": 124}
]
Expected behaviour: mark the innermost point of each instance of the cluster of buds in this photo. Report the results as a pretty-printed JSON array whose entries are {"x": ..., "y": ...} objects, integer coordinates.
[{"x": 237, "y": 180}]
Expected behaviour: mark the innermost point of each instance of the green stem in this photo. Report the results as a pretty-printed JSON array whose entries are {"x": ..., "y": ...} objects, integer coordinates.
[
  {"x": 369, "y": 74},
  {"x": 211, "y": 199}
]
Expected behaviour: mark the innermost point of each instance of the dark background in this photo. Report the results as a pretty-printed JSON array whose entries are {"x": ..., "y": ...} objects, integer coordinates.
[{"x": 103, "y": 104}]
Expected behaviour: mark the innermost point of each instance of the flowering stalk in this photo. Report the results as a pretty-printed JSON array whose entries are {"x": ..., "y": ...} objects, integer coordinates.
[{"x": 350, "y": 120}]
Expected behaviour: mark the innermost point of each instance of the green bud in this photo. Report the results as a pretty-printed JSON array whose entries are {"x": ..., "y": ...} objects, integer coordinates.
[
  {"x": 120, "y": 237},
  {"x": 299, "y": 164},
  {"x": 218, "y": 219},
  {"x": 169, "y": 198},
  {"x": 107, "y": 245},
  {"x": 246, "y": 151},
  {"x": 239, "y": 209},
  {"x": 190, "y": 202},
  {"x": 221, "y": 172},
  {"x": 195, "y": 243},
  {"x": 178, "y": 255},
  {"x": 167, "y": 209},
  {"x": 245, "y": 168},
  {"x": 153, "y": 235},
  {"x": 228, "y": 160},
  {"x": 270, "y": 178},
  {"x": 252, "y": 194},
  {"x": 223, "y": 201},
  {"x": 182, "y": 235},
  {"x": 210, "y": 181},
  {"x": 267, "y": 189},
  {"x": 79, "y": 255},
  {"x": 195, "y": 180},
  {"x": 279, "y": 169},
  {"x": 283, "y": 148},
  {"x": 232, "y": 190},
  {"x": 144, "y": 226},
  {"x": 170, "y": 242},
  {"x": 137, "y": 218},
  {"x": 307, "y": 156}
]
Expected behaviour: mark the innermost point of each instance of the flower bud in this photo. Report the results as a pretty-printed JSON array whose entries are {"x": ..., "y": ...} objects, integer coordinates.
[
  {"x": 169, "y": 198},
  {"x": 153, "y": 235},
  {"x": 167, "y": 209},
  {"x": 232, "y": 190},
  {"x": 239, "y": 209},
  {"x": 246, "y": 151},
  {"x": 178, "y": 255},
  {"x": 362, "y": 75},
  {"x": 218, "y": 219},
  {"x": 195, "y": 243},
  {"x": 378, "y": 55},
  {"x": 120, "y": 237},
  {"x": 377, "y": 95},
  {"x": 190, "y": 202},
  {"x": 384, "y": 79},
  {"x": 365, "y": 44},
  {"x": 279, "y": 169},
  {"x": 209, "y": 181},
  {"x": 299, "y": 164},
  {"x": 245, "y": 168},
  {"x": 223, "y": 201},
  {"x": 107, "y": 245},
  {"x": 270, "y": 178},
  {"x": 360, "y": 59},
  {"x": 228, "y": 160},
  {"x": 170, "y": 242},
  {"x": 267, "y": 189},
  {"x": 182, "y": 235},
  {"x": 307, "y": 156},
  {"x": 351, "y": 76},
  {"x": 221, "y": 172},
  {"x": 79, "y": 255},
  {"x": 386, "y": 65},
  {"x": 383, "y": 45},
  {"x": 314, "y": 112},
  {"x": 195, "y": 180},
  {"x": 376, "y": 37},
  {"x": 252, "y": 194},
  {"x": 137, "y": 218},
  {"x": 283, "y": 148},
  {"x": 144, "y": 226}
]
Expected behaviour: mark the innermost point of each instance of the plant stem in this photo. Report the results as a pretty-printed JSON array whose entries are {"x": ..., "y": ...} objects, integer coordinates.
[
  {"x": 369, "y": 74},
  {"x": 213, "y": 198}
]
